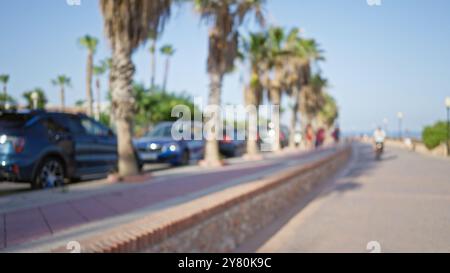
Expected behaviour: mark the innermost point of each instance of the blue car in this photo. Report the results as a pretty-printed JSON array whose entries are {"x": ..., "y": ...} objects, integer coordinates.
[
  {"x": 158, "y": 146},
  {"x": 45, "y": 149}
]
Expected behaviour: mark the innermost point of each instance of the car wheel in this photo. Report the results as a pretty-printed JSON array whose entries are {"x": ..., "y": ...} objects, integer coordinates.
[
  {"x": 140, "y": 167},
  {"x": 50, "y": 174}
]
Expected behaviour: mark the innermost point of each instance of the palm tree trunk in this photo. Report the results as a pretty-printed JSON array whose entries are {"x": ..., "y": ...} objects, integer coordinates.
[
  {"x": 111, "y": 79},
  {"x": 293, "y": 126},
  {"x": 212, "y": 156},
  {"x": 166, "y": 74},
  {"x": 250, "y": 102},
  {"x": 63, "y": 99},
  {"x": 98, "y": 112},
  {"x": 123, "y": 105},
  {"x": 153, "y": 64},
  {"x": 275, "y": 97},
  {"x": 90, "y": 63}
]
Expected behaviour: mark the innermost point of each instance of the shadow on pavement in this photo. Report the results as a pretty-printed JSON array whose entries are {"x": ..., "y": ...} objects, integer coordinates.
[
  {"x": 362, "y": 163},
  {"x": 389, "y": 157}
]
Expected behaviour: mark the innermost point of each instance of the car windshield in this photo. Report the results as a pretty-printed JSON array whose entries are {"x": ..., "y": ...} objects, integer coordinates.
[{"x": 164, "y": 131}]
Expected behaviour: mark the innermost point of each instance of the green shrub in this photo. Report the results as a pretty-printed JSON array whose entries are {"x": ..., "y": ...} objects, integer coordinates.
[
  {"x": 105, "y": 119},
  {"x": 154, "y": 106},
  {"x": 41, "y": 99},
  {"x": 433, "y": 136}
]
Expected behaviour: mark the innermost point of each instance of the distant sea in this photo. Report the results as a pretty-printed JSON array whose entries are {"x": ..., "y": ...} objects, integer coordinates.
[{"x": 411, "y": 134}]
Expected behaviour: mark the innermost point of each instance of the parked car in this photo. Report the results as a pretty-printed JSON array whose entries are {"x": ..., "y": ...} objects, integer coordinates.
[
  {"x": 158, "y": 146},
  {"x": 231, "y": 146},
  {"x": 45, "y": 149}
]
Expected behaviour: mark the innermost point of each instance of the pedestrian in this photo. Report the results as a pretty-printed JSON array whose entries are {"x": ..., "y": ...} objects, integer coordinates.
[
  {"x": 320, "y": 137},
  {"x": 336, "y": 134},
  {"x": 309, "y": 137}
]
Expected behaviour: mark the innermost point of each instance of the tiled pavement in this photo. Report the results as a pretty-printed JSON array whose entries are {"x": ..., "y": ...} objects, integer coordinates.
[{"x": 21, "y": 226}]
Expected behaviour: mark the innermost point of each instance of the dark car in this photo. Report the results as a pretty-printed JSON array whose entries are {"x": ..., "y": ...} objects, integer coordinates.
[
  {"x": 159, "y": 146},
  {"x": 233, "y": 143},
  {"x": 45, "y": 149}
]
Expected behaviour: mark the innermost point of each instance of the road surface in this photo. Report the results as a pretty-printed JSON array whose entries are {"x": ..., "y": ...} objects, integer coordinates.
[
  {"x": 401, "y": 204},
  {"x": 10, "y": 188}
]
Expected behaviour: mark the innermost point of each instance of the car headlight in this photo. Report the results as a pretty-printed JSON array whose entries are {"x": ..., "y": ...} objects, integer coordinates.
[
  {"x": 3, "y": 139},
  {"x": 153, "y": 146},
  {"x": 173, "y": 147}
]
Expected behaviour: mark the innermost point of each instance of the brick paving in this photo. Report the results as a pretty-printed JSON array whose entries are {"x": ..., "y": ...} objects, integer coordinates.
[{"x": 25, "y": 225}]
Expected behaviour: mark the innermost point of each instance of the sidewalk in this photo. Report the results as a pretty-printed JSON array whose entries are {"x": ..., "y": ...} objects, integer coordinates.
[{"x": 36, "y": 218}]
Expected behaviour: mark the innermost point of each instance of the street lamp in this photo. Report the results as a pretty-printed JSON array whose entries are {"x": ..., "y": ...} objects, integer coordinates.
[
  {"x": 447, "y": 105},
  {"x": 400, "y": 120}
]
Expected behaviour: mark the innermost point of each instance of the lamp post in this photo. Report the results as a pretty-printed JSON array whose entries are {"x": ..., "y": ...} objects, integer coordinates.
[
  {"x": 447, "y": 105},
  {"x": 400, "y": 120}
]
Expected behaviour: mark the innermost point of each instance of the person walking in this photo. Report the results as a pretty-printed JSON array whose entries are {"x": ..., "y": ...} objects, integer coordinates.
[
  {"x": 309, "y": 137},
  {"x": 336, "y": 135},
  {"x": 320, "y": 137}
]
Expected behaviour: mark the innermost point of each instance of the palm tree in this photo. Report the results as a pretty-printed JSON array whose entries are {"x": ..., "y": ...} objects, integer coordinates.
[
  {"x": 168, "y": 51},
  {"x": 302, "y": 52},
  {"x": 256, "y": 52},
  {"x": 62, "y": 82},
  {"x": 312, "y": 99},
  {"x": 98, "y": 71},
  {"x": 90, "y": 43},
  {"x": 298, "y": 55},
  {"x": 4, "y": 79},
  {"x": 108, "y": 65},
  {"x": 127, "y": 24},
  {"x": 7, "y": 102},
  {"x": 330, "y": 112},
  {"x": 276, "y": 82},
  {"x": 153, "y": 38},
  {"x": 41, "y": 99},
  {"x": 224, "y": 18}
]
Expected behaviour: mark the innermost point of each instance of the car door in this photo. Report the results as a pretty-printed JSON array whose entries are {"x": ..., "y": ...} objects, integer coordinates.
[
  {"x": 85, "y": 150},
  {"x": 102, "y": 152},
  {"x": 61, "y": 139},
  {"x": 107, "y": 143}
]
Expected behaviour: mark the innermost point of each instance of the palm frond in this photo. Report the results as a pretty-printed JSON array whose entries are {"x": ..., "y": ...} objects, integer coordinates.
[{"x": 131, "y": 21}]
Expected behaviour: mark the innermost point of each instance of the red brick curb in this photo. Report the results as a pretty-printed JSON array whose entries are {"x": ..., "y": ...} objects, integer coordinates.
[{"x": 137, "y": 178}]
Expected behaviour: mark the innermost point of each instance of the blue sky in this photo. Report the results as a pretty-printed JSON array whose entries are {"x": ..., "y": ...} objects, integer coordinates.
[{"x": 380, "y": 60}]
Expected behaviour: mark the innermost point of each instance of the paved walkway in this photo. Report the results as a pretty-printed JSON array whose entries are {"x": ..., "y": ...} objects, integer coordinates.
[
  {"x": 401, "y": 204},
  {"x": 30, "y": 217}
]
